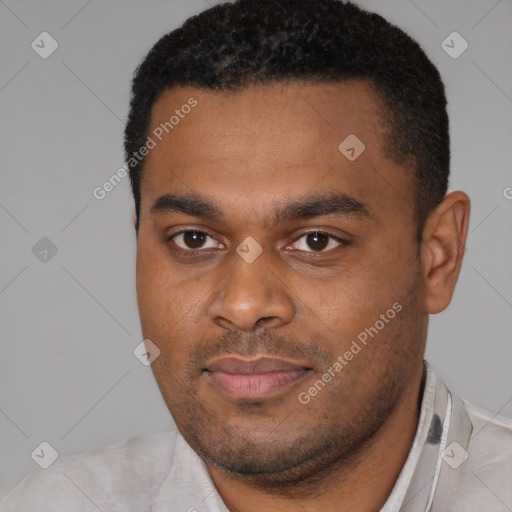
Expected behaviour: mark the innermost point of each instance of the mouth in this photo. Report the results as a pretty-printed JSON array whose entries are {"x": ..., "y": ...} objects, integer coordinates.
[{"x": 253, "y": 379}]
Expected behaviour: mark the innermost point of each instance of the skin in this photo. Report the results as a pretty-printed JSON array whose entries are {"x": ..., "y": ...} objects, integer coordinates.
[{"x": 249, "y": 153}]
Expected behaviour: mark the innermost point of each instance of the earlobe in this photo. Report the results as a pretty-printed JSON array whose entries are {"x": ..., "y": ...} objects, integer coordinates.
[{"x": 443, "y": 249}]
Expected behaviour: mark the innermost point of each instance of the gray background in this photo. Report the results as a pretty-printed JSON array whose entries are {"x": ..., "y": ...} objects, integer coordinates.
[{"x": 69, "y": 325}]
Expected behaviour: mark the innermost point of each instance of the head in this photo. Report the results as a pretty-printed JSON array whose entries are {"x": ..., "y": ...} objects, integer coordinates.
[{"x": 291, "y": 209}]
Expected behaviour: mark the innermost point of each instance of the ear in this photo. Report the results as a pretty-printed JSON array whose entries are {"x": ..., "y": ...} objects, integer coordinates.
[
  {"x": 442, "y": 249},
  {"x": 134, "y": 218}
]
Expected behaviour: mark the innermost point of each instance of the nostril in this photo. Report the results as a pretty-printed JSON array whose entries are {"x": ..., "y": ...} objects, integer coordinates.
[{"x": 265, "y": 320}]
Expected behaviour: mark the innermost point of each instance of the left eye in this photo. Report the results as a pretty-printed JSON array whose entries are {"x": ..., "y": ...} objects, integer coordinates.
[{"x": 317, "y": 241}]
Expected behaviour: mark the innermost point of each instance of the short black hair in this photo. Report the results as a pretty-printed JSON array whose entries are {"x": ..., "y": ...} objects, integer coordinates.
[{"x": 250, "y": 42}]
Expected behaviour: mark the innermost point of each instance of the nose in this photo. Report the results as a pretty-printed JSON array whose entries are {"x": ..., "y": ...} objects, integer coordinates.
[{"x": 251, "y": 296}]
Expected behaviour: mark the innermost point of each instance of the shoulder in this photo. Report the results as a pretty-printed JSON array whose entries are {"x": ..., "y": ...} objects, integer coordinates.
[
  {"x": 485, "y": 480},
  {"x": 483, "y": 418},
  {"x": 120, "y": 476},
  {"x": 490, "y": 445}
]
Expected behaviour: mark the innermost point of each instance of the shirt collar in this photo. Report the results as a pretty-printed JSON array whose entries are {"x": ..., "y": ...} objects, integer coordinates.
[{"x": 443, "y": 433}]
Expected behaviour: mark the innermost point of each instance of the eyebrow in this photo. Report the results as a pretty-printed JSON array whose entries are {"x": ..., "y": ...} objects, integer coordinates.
[{"x": 309, "y": 207}]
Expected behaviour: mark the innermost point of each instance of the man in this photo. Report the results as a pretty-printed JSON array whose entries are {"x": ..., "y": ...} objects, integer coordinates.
[{"x": 289, "y": 162}]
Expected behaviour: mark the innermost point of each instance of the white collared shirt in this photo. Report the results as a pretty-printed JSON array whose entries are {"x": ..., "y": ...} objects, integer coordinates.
[{"x": 460, "y": 461}]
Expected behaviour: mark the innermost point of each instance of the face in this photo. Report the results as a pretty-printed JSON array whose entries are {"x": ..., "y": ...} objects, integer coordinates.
[{"x": 278, "y": 275}]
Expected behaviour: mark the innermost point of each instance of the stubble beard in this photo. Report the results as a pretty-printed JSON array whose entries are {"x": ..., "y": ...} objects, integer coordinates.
[{"x": 329, "y": 440}]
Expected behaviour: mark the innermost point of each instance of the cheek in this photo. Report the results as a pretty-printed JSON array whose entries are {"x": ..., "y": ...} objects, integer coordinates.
[
  {"x": 353, "y": 300},
  {"x": 169, "y": 308},
  {"x": 159, "y": 301}
]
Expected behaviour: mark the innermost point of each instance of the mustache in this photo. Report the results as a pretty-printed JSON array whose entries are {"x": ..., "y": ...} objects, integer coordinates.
[{"x": 265, "y": 343}]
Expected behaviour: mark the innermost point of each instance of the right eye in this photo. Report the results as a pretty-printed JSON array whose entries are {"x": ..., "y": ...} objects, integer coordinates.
[{"x": 194, "y": 240}]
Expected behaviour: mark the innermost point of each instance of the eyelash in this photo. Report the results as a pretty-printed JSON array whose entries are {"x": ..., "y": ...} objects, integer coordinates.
[{"x": 201, "y": 252}]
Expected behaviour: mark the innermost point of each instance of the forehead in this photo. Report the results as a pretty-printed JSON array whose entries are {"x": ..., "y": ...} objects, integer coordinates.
[
  {"x": 282, "y": 115},
  {"x": 266, "y": 141}
]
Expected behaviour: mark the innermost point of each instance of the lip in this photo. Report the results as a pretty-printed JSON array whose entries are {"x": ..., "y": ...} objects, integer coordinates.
[{"x": 253, "y": 379}]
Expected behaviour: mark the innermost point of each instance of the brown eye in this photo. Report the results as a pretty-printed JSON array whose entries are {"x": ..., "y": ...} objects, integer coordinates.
[
  {"x": 192, "y": 239},
  {"x": 317, "y": 241}
]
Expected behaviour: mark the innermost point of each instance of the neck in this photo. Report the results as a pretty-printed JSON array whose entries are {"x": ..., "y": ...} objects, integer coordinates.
[{"x": 361, "y": 485}]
